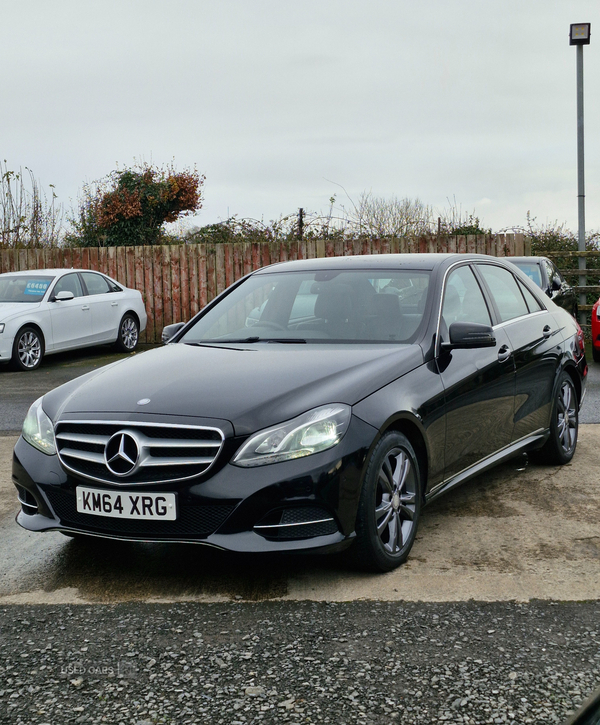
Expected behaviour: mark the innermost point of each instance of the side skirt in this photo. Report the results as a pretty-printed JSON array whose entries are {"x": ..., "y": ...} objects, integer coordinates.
[{"x": 535, "y": 440}]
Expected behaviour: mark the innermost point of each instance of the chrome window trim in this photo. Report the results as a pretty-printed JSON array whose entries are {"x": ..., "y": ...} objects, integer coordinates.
[{"x": 470, "y": 262}]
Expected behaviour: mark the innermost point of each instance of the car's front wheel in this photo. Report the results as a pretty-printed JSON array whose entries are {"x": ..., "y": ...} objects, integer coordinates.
[
  {"x": 129, "y": 334},
  {"x": 28, "y": 349},
  {"x": 390, "y": 505}
]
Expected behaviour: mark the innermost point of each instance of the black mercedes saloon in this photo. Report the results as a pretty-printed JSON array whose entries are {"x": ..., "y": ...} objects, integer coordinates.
[{"x": 314, "y": 405}]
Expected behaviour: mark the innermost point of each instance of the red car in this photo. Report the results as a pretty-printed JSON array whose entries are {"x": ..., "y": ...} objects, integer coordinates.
[{"x": 596, "y": 331}]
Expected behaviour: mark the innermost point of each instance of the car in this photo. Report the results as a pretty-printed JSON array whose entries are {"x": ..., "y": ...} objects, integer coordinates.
[
  {"x": 546, "y": 275},
  {"x": 52, "y": 310},
  {"x": 596, "y": 331},
  {"x": 307, "y": 431}
]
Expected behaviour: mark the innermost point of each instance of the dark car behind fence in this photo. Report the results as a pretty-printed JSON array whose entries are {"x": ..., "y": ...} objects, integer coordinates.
[{"x": 177, "y": 281}]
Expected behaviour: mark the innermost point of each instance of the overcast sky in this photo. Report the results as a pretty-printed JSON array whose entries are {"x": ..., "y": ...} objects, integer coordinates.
[{"x": 281, "y": 104}]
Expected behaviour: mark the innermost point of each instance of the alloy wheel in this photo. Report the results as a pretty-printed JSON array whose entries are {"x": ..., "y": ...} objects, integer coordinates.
[
  {"x": 129, "y": 333},
  {"x": 29, "y": 350},
  {"x": 396, "y": 500},
  {"x": 566, "y": 412}
]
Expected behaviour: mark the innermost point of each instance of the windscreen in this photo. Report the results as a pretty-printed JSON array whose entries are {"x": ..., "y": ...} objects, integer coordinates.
[
  {"x": 23, "y": 288},
  {"x": 325, "y": 306}
]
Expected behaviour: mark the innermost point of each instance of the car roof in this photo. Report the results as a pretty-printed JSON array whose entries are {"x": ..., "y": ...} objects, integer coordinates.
[
  {"x": 426, "y": 262},
  {"x": 55, "y": 272},
  {"x": 529, "y": 260}
]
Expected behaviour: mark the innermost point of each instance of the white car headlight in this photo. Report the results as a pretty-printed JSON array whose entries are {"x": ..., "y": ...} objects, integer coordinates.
[
  {"x": 312, "y": 432},
  {"x": 38, "y": 429}
]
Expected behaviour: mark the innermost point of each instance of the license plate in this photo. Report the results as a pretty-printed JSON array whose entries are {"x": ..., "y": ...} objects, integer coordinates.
[{"x": 127, "y": 504}]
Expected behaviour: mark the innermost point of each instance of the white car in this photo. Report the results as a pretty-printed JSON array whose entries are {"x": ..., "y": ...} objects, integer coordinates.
[{"x": 51, "y": 310}]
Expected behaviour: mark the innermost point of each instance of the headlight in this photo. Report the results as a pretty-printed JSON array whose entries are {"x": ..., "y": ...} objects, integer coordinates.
[
  {"x": 38, "y": 430},
  {"x": 309, "y": 433}
]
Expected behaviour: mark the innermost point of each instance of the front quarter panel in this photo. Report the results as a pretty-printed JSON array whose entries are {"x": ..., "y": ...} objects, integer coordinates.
[{"x": 415, "y": 403}]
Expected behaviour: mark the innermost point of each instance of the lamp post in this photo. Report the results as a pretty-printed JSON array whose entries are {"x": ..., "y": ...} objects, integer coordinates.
[{"x": 579, "y": 36}]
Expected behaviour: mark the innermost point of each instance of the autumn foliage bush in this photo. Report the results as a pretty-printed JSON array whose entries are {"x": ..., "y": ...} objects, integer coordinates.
[{"x": 130, "y": 207}]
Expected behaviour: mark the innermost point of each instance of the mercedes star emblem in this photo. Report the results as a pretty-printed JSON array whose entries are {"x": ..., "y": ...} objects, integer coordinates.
[{"x": 122, "y": 453}]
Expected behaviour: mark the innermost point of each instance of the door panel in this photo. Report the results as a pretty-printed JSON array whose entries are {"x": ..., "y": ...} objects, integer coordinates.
[
  {"x": 537, "y": 359},
  {"x": 71, "y": 319},
  {"x": 105, "y": 306},
  {"x": 479, "y": 383},
  {"x": 532, "y": 332},
  {"x": 479, "y": 392}
]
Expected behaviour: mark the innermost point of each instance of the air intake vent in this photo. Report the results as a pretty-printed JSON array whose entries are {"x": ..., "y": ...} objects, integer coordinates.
[
  {"x": 125, "y": 453},
  {"x": 27, "y": 501},
  {"x": 303, "y": 522}
]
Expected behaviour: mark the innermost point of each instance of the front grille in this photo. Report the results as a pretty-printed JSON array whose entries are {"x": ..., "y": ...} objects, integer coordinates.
[
  {"x": 193, "y": 521},
  {"x": 123, "y": 452}
]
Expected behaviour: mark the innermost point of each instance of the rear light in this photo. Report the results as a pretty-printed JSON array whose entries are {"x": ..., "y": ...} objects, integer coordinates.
[{"x": 580, "y": 338}]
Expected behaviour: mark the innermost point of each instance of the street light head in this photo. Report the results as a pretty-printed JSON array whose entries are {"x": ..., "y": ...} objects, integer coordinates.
[{"x": 580, "y": 34}]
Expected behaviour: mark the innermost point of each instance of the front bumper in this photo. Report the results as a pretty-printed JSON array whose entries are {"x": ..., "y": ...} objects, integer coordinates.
[
  {"x": 6, "y": 346},
  {"x": 306, "y": 504}
]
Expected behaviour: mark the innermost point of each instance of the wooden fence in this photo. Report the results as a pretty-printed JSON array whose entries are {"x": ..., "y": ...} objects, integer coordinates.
[{"x": 177, "y": 281}]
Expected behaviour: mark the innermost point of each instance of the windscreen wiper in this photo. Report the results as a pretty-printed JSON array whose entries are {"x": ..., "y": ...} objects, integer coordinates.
[{"x": 255, "y": 338}]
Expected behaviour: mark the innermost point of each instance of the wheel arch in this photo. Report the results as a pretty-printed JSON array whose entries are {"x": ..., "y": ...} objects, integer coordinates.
[
  {"x": 409, "y": 427},
  {"x": 36, "y": 327},
  {"x": 134, "y": 314},
  {"x": 571, "y": 371}
]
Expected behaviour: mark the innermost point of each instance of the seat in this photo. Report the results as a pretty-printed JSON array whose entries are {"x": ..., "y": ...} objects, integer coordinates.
[
  {"x": 386, "y": 320},
  {"x": 335, "y": 313}
]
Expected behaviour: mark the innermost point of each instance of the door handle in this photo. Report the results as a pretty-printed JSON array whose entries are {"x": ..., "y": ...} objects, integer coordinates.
[
  {"x": 546, "y": 332},
  {"x": 114, "y": 304},
  {"x": 503, "y": 353},
  {"x": 85, "y": 307}
]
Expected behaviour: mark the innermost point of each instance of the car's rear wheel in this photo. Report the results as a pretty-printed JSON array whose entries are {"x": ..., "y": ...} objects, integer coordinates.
[
  {"x": 28, "y": 349},
  {"x": 129, "y": 334},
  {"x": 564, "y": 426},
  {"x": 390, "y": 505},
  {"x": 596, "y": 354}
]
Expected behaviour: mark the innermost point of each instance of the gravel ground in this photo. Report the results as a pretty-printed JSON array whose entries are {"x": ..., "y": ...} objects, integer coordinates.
[{"x": 297, "y": 662}]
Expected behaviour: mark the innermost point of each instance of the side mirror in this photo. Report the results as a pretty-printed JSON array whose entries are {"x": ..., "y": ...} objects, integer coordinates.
[
  {"x": 170, "y": 331},
  {"x": 64, "y": 296},
  {"x": 468, "y": 336},
  {"x": 556, "y": 285}
]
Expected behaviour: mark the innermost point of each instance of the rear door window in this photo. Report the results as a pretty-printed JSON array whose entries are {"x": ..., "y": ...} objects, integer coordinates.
[
  {"x": 96, "y": 284},
  {"x": 505, "y": 291}
]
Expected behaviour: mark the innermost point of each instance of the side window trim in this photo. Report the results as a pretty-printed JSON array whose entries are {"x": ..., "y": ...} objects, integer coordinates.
[
  {"x": 499, "y": 319},
  {"x": 85, "y": 287},
  {"x": 58, "y": 281},
  {"x": 489, "y": 297},
  {"x": 484, "y": 291}
]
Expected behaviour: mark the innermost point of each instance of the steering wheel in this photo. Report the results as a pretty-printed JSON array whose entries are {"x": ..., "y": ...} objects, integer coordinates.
[{"x": 271, "y": 324}]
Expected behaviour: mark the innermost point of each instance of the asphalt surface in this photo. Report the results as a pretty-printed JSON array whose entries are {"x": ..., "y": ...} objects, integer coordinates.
[
  {"x": 236, "y": 664},
  {"x": 100, "y": 632}
]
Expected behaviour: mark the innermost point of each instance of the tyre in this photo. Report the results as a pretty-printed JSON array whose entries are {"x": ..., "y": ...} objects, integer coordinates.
[
  {"x": 596, "y": 354},
  {"x": 129, "y": 334},
  {"x": 389, "y": 506},
  {"x": 28, "y": 349},
  {"x": 564, "y": 425}
]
